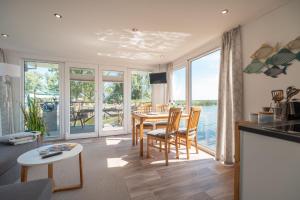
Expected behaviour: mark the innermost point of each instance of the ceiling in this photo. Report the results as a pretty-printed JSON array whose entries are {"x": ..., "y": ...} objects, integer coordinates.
[{"x": 101, "y": 31}]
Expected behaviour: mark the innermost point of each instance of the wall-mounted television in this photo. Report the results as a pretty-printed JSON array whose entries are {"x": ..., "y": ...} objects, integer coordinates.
[{"x": 158, "y": 78}]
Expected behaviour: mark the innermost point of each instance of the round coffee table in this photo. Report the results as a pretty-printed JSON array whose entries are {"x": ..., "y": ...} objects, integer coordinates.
[{"x": 33, "y": 158}]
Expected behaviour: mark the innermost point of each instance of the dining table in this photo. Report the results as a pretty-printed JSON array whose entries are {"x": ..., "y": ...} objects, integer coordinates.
[{"x": 140, "y": 118}]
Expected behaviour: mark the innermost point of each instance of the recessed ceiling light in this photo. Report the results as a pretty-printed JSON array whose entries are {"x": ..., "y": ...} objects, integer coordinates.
[
  {"x": 58, "y": 15},
  {"x": 4, "y": 35},
  {"x": 225, "y": 11},
  {"x": 135, "y": 30}
]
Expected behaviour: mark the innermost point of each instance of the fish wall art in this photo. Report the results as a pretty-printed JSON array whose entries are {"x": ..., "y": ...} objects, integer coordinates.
[{"x": 273, "y": 61}]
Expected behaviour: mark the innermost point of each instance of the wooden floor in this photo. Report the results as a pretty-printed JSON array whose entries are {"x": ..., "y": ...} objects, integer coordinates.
[
  {"x": 199, "y": 178},
  {"x": 113, "y": 169}
]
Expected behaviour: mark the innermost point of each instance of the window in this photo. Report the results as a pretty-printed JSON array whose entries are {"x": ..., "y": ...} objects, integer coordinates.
[
  {"x": 179, "y": 87},
  {"x": 140, "y": 90},
  {"x": 204, "y": 93},
  {"x": 42, "y": 83}
]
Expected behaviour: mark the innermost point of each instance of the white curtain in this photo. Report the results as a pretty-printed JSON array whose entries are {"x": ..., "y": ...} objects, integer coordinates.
[
  {"x": 230, "y": 104},
  {"x": 6, "y": 101},
  {"x": 169, "y": 95}
]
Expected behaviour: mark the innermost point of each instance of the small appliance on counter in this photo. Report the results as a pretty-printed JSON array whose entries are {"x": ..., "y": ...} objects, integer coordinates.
[
  {"x": 281, "y": 109},
  {"x": 293, "y": 110}
]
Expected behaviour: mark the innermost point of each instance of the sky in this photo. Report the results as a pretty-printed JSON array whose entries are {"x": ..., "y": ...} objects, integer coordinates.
[{"x": 204, "y": 78}]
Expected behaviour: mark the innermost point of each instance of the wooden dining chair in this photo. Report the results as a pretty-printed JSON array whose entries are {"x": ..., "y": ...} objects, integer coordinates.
[
  {"x": 165, "y": 135},
  {"x": 161, "y": 108},
  {"x": 146, "y": 125},
  {"x": 188, "y": 134}
]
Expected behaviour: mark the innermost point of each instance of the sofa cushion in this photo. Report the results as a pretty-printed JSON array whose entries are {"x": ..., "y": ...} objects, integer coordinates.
[
  {"x": 33, "y": 190},
  {"x": 10, "y": 153}
]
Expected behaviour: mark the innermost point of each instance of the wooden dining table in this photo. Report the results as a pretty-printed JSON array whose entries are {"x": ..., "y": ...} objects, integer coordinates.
[{"x": 147, "y": 117}]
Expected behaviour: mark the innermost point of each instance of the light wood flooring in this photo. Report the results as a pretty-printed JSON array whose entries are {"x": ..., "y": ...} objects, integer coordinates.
[
  {"x": 114, "y": 170},
  {"x": 199, "y": 178}
]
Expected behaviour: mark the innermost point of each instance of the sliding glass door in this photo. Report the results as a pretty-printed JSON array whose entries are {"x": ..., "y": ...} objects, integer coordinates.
[
  {"x": 42, "y": 83},
  {"x": 204, "y": 93},
  {"x": 112, "y": 87},
  {"x": 81, "y": 101}
]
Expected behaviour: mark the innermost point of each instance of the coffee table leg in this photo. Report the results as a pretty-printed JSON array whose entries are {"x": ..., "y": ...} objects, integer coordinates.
[
  {"x": 50, "y": 174},
  {"x": 24, "y": 173},
  {"x": 80, "y": 170}
]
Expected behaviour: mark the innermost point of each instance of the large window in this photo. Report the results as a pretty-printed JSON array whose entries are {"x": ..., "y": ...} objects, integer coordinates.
[
  {"x": 204, "y": 91},
  {"x": 140, "y": 90},
  {"x": 42, "y": 83},
  {"x": 179, "y": 87}
]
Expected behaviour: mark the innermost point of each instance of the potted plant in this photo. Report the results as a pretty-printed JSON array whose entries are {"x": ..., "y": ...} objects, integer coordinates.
[{"x": 32, "y": 116}]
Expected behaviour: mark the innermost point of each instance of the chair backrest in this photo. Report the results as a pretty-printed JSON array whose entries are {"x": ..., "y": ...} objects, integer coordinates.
[
  {"x": 146, "y": 108},
  {"x": 193, "y": 120},
  {"x": 162, "y": 108},
  {"x": 173, "y": 120}
]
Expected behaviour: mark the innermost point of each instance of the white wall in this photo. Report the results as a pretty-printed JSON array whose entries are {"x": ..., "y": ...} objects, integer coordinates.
[
  {"x": 281, "y": 25},
  {"x": 159, "y": 91}
]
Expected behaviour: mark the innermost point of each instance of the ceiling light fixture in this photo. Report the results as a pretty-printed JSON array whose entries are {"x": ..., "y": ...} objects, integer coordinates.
[
  {"x": 58, "y": 15},
  {"x": 225, "y": 11},
  {"x": 135, "y": 30},
  {"x": 4, "y": 35}
]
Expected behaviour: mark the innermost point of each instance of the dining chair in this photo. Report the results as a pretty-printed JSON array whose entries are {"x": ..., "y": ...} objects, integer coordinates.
[
  {"x": 189, "y": 133},
  {"x": 161, "y": 108},
  {"x": 146, "y": 125},
  {"x": 165, "y": 135}
]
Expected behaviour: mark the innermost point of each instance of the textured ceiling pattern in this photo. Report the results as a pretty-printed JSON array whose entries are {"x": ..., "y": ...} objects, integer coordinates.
[
  {"x": 138, "y": 45},
  {"x": 101, "y": 31}
]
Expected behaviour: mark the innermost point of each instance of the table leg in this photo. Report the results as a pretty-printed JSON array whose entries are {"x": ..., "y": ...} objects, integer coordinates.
[
  {"x": 24, "y": 173},
  {"x": 50, "y": 175},
  {"x": 141, "y": 137},
  {"x": 80, "y": 170},
  {"x": 133, "y": 131}
]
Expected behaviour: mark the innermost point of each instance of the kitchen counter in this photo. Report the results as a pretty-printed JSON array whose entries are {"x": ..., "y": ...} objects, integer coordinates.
[
  {"x": 267, "y": 162},
  {"x": 266, "y": 129}
]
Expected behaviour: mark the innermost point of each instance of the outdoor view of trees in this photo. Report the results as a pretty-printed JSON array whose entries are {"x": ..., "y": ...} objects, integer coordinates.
[
  {"x": 41, "y": 81},
  {"x": 140, "y": 88}
]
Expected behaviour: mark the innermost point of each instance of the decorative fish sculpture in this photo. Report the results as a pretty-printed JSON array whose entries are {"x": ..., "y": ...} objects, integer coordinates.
[
  {"x": 275, "y": 71},
  {"x": 264, "y": 51},
  {"x": 255, "y": 66},
  {"x": 294, "y": 44},
  {"x": 284, "y": 58}
]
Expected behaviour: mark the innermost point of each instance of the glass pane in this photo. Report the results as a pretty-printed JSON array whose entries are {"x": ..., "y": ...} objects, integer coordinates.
[
  {"x": 42, "y": 84},
  {"x": 140, "y": 91},
  {"x": 113, "y": 100},
  {"x": 82, "y": 100},
  {"x": 205, "y": 80},
  {"x": 179, "y": 87}
]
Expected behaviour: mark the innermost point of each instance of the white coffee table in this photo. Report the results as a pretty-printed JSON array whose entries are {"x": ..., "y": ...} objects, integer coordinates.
[{"x": 33, "y": 158}]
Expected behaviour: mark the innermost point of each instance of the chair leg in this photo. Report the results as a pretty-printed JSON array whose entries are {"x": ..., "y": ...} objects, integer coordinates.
[
  {"x": 196, "y": 145},
  {"x": 187, "y": 149},
  {"x": 159, "y": 146},
  {"x": 148, "y": 147},
  {"x": 176, "y": 146},
  {"x": 166, "y": 153},
  {"x": 169, "y": 147}
]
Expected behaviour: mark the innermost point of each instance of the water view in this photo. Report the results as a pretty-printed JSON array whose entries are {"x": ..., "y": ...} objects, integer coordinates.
[{"x": 207, "y": 128}]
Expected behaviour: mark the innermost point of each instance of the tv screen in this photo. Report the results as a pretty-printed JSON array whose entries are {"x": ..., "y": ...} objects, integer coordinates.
[{"x": 157, "y": 78}]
